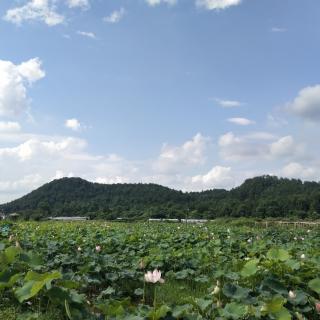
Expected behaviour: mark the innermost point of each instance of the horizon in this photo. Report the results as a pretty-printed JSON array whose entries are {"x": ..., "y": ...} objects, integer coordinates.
[{"x": 193, "y": 95}]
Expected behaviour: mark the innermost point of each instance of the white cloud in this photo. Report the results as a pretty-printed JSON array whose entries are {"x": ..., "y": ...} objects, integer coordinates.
[
  {"x": 8, "y": 127},
  {"x": 258, "y": 145},
  {"x": 87, "y": 34},
  {"x": 285, "y": 146},
  {"x": 191, "y": 153},
  {"x": 41, "y": 10},
  {"x": 73, "y": 124},
  {"x": 217, "y": 177},
  {"x": 277, "y": 29},
  {"x": 32, "y": 148},
  {"x": 60, "y": 174},
  {"x": 29, "y": 181},
  {"x": 307, "y": 104},
  {"x": 217, "y": 4},
  {"x": 154, "y": 3},
  {"x": 241, "y": 121},
  {"x": 116, "y": 16},
  {"x": 297, "y": 170},
  {"x": 229, "y": 103},
  {"x": 14, "y": 81},
  {"x": 83, "y": 4},
  {"x": 234, "y": 148},
  {"x": 31, "y": 70}
]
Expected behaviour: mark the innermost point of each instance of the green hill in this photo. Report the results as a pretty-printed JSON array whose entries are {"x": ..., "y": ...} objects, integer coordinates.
[{"x": 265, "y": 196}]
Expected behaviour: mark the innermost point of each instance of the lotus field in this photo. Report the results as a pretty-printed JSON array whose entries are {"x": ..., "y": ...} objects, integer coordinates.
[{"x": 99, "y": 270}]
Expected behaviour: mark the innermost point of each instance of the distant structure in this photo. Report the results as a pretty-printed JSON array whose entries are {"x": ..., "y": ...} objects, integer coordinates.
[
  {"x": 181, "y": 220},
  {"x": 2, "y": 215},
  {"x": 13, "y": 216},
  {"x": 69, "y": 218}
]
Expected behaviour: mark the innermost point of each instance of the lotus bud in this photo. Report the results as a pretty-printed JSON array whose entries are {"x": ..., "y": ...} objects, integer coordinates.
[
  {"x": 98, "y": 248},
  {"x": 303, "y": 256},
  {"x": 292, "y": 294},
  {"x": 79, "y": 249},
  {"x": 142, "y": 265},
  {"x": 216, "y": 290}
]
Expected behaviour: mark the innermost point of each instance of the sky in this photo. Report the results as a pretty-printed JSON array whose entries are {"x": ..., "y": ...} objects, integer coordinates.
[{"x": 190, "y": 94}]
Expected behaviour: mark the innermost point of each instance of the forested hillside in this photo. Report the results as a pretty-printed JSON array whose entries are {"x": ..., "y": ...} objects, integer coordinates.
[{"x": 265, "y": 196}]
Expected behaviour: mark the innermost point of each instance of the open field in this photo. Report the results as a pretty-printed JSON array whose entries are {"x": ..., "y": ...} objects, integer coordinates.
[{"x": 95, "y": 270}]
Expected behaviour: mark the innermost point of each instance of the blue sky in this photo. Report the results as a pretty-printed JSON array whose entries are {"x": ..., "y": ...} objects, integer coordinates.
[{"x": 192, "y": 94}]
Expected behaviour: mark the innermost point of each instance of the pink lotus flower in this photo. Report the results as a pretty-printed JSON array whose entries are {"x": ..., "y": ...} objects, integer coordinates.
[
  {"x": 153, "y": 277},
  {"x": 318, "y": 306},
  {"x": 98, "y": 248}
]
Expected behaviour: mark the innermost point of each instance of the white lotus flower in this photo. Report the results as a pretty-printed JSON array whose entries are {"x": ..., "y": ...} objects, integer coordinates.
[
  {"x": 153, "y": 277},
  {"x": 98, "y": 248},
  {"x": 303, "y": 256},
  {"x": 292, "y": 294}
]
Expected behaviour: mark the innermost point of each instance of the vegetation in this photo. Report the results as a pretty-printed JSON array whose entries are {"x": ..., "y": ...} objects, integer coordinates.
[
  {"x": 98, "y": 270},
  {"x": 265, "y": 196}
]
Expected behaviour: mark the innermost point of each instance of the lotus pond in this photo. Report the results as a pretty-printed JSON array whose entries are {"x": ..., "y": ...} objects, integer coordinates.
[{"x": 99, "y": 270}]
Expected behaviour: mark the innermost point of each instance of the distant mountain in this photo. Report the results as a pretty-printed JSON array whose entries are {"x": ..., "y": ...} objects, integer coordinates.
[{"x": 265, "y": 196}]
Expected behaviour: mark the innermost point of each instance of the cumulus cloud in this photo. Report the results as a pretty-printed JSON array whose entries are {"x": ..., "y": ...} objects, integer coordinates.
[
  {"x": 307, "y": 104},
  {"x": 257, "y": 145},
  {"x": 83, "y": 4},
  {"x": 35, "y": 147},
  {"x": 297, "y": 170},
  {"x": 14, "y": 82},
  {"x": 73, "y": 124},
  {"x": 217, "y": 4},
  {"x": 217, "y": 177},
  {"x": 235, "y": 148},
  {"x": 27, "y": 182},
  {"x": 192, "y": 152},
  {"x": 285, "y": 146},
  {"x": 241, "y": 121},
  {"x": 229, "y": 103},
  {"x": 41, "y": 10},
  {"x": 116, "y": 16},
  {"x": 87, "y": 34},
  {"x": 9, "y": 127},
  {"x": 154, "y": 3}
]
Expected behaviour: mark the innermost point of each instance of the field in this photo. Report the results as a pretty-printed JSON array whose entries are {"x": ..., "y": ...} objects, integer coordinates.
[{"x": 98, "y": 270}]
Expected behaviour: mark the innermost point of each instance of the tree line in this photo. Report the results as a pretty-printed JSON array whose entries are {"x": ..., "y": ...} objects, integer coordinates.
[{"x": 261, "y": 197}]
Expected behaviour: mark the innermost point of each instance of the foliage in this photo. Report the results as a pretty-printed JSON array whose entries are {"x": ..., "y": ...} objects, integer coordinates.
[
  {"x": 262, "y": 197},
  {"x": 95, "y": 270}
]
